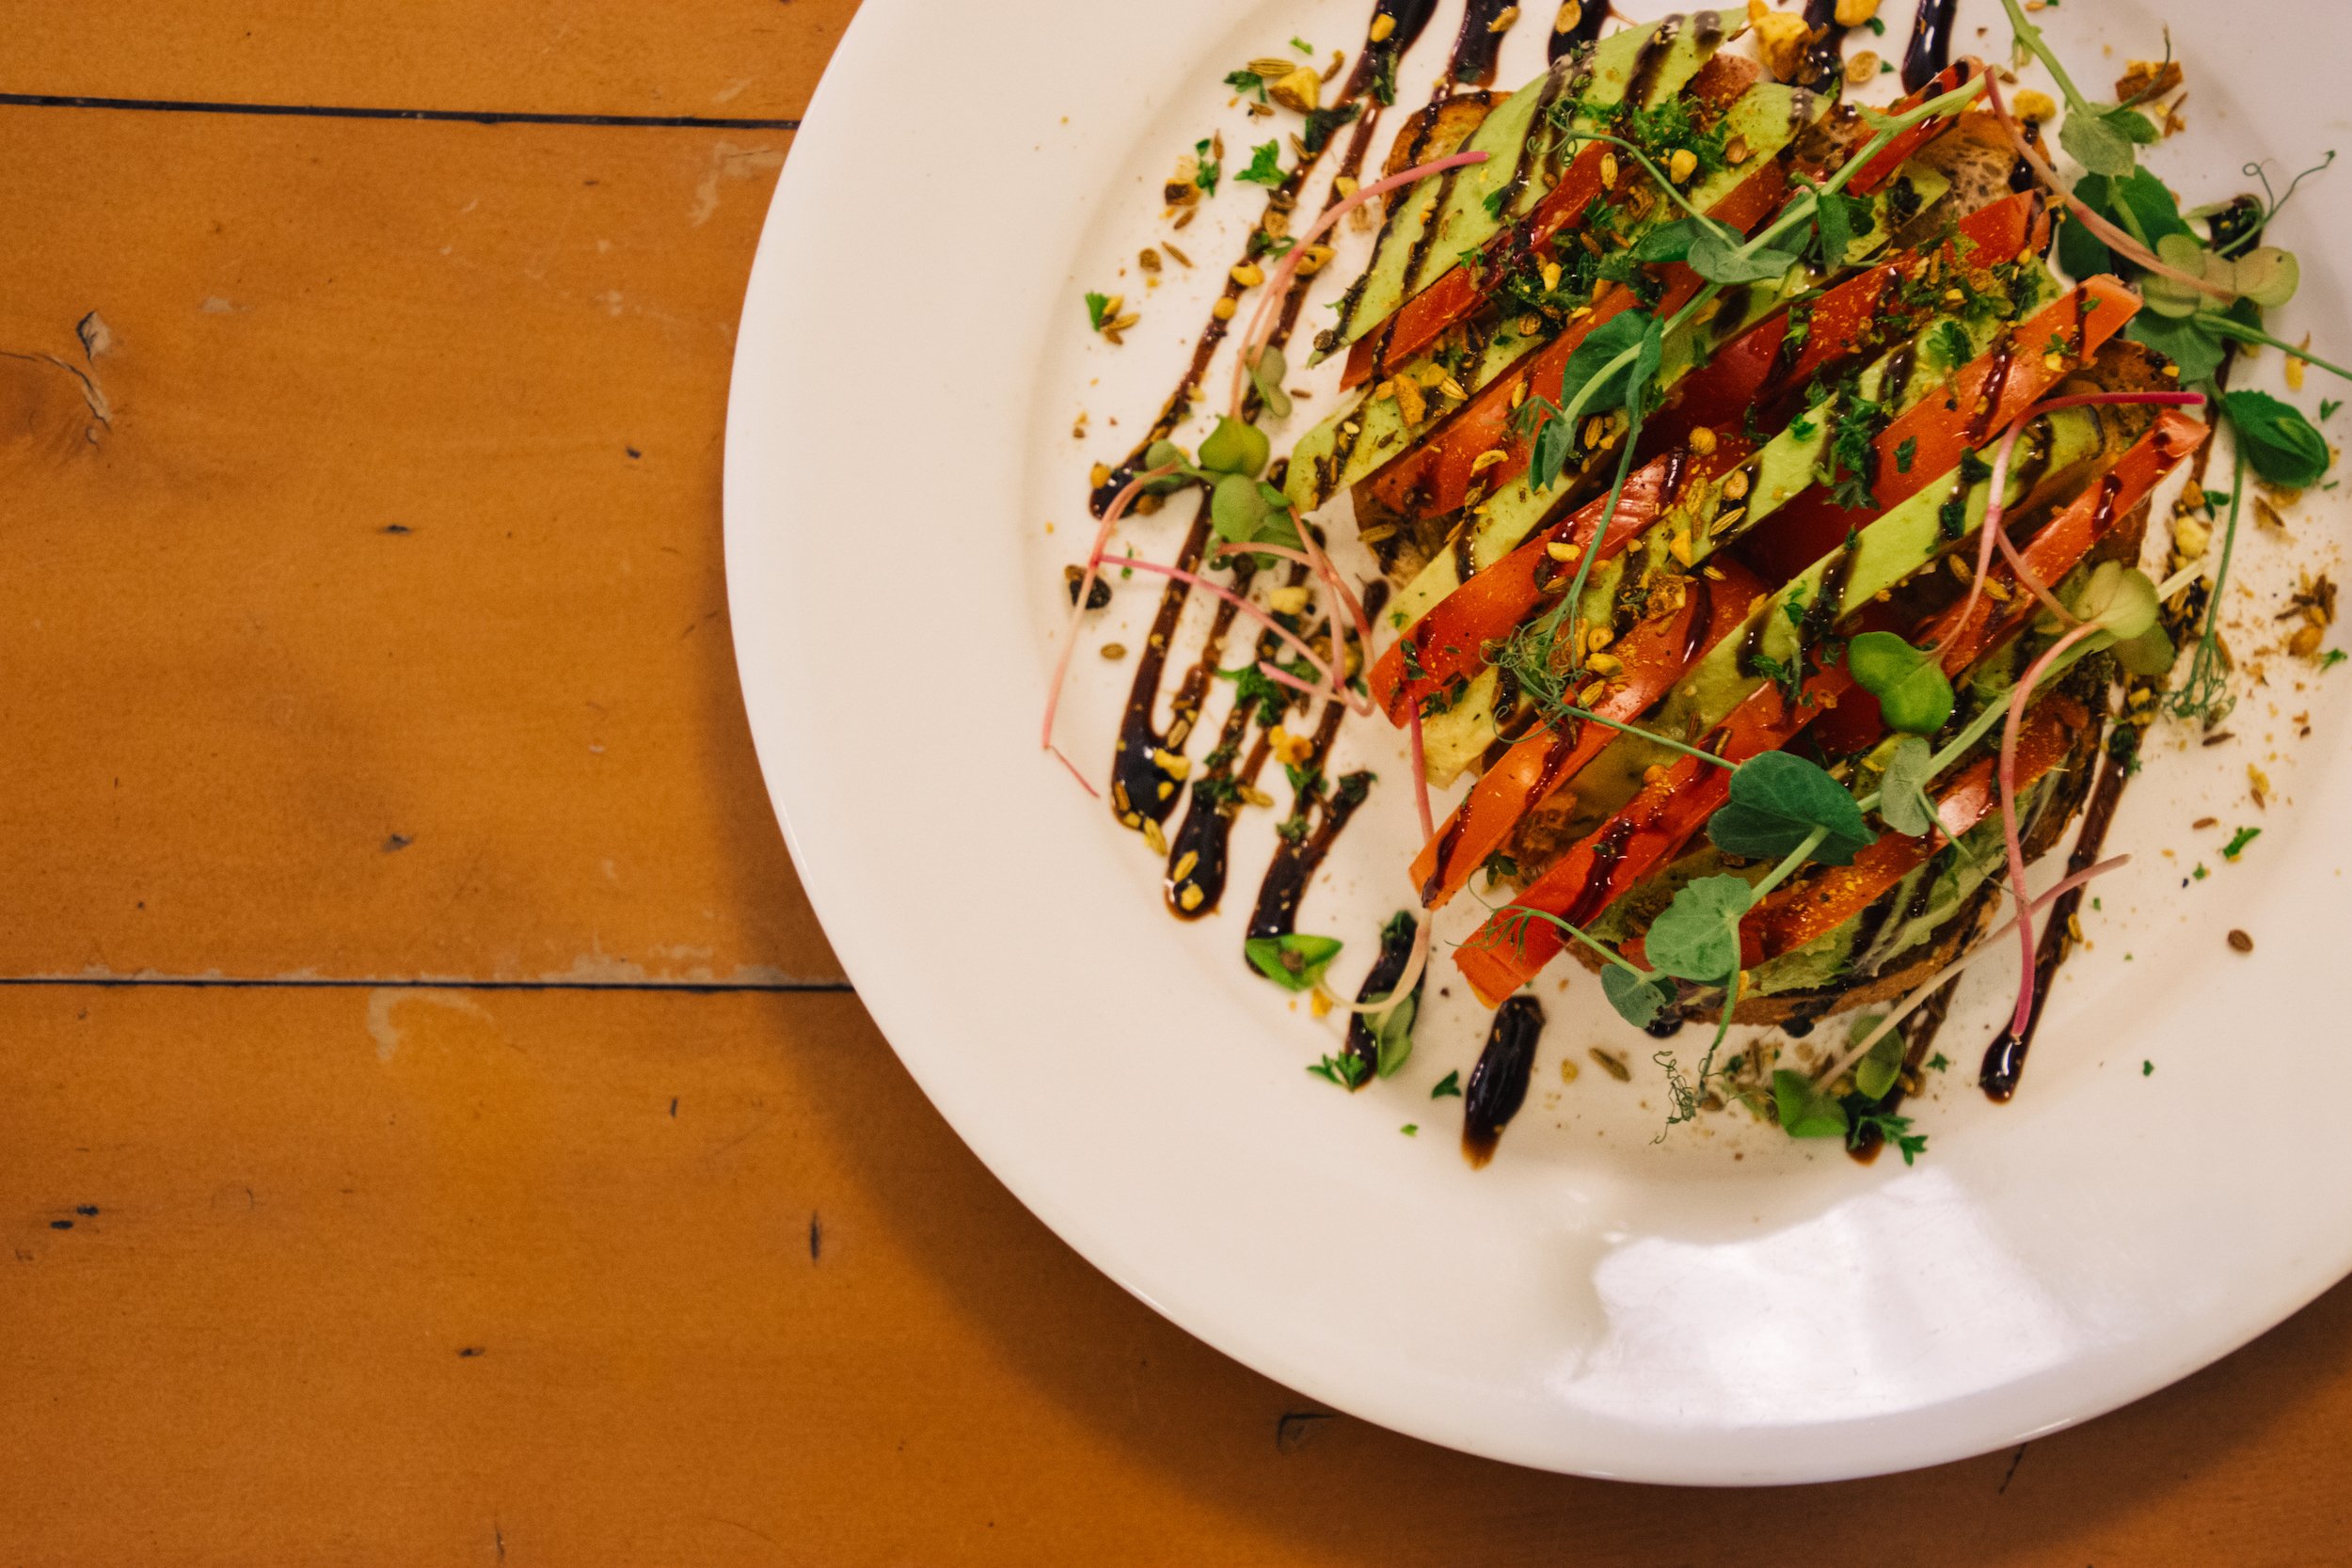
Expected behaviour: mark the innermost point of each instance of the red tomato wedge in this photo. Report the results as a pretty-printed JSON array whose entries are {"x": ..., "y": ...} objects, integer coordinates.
[
  {"x": 1653, "y": 826},
  {"x": 1988, "y": 395},
  {"x": 1436, "y": 475},
  {"x": 1654, "y": 654},
  {"x": 1463, "y": 288},
  {"x": 1450, "y": 640},
  {"x": 1855, "y": 318},
  {"x": 1821, "y": 901}
]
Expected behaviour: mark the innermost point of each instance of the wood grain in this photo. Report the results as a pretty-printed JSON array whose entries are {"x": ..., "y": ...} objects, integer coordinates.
[
  {"x": 377, "y": 628},
  {"x": 365, "y": 622},
  {"x": 579, "y": 1279},
  {"x": 738, "y": 59}
]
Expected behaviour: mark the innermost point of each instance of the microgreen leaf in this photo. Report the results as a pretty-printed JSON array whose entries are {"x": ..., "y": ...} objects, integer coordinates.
[
  {"x": 1914, "y": 695},
  {"x": 1834, "y": 215},
  {"x": 1235, "y": 448},
  {"x": 1293, "y": 963},
  {"x": 1394, "y": 1034},
  {"x": 1266, "y": 370},
  {"x": 1877, "y": 1071},
  {"x": 1669, "y": 242},
  {"x": 1697, "y": 937},
  {"x": 2150, "y": 654},
  {"x": 1638, "y": 998},
  {"x": 2278, "y": 441},
  {"x": 1266, "y": 164},
  {"x": 2098, "y": 143},
  {"x": 1777, "y": 802},
  {"x": 1588, "y": 381},
  {"x": 1804, "y": 1111},
  {"x": 1717, "y": 258},
  {"x": 1902, "y": 794},
  {"x": 2186, "y": 342},
  {"x": 2122, "y": 600},
  {"x": 1241, "y": 514}
]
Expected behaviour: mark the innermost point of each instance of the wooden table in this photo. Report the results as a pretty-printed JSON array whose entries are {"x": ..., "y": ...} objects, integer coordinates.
[{"x": 433, "y": 1127}]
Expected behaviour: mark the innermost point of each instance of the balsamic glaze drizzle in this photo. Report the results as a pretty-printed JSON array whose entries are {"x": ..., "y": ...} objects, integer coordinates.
[
  {"x": 2005, "y": 1058},
  {"x": 1498, "y": 1084},
  {"x": 1576, "y": 27},
  {"x": 1930, "y": 48}
]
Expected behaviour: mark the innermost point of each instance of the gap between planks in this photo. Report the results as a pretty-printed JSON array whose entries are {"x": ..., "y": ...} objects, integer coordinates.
[{"x": 331, "y": 111}]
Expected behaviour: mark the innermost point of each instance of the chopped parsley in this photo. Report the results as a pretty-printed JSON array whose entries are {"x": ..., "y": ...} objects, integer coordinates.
[
  {"x": 1448, "y": 1086},
  {"x": 2332, "y": 657},
  {"x": 1264, "y": 166},
  {"x": 1895, "y": 1130},
  {"x": 2238, "y": 842},
  {"x": 1209, "y": 171},
  {"x": 1905, "y": 454},
  {"x": 2328, "y": 407},
  {"x": 1246, "y": 82},
  {"x": 1938, "y": 1062},
  {"x": 1098, "y": 308},
  {"x": 1348, "y": 1072}
]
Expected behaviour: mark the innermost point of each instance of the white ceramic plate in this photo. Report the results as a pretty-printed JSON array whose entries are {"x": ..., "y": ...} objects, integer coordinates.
[{"x": 903, "y": 490}]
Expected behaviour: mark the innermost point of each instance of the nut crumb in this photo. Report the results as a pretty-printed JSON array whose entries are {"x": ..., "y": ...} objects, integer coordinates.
[{"x": 2241, "y": 942}]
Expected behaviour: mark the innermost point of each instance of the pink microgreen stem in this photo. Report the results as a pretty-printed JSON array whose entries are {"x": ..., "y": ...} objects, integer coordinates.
[
  {"x": 2010, "y": 838},
  {"x": 1838, "y": 1063},
  {"x": 1330, "y": 688},
  {"x": 1111, "y": 513},
  {"x": 1277, "y": 285},
  {"x": 1404, "y": 981},
  {"x": 1994, "y": 537},
  {"x": 2115, "y": 239}
]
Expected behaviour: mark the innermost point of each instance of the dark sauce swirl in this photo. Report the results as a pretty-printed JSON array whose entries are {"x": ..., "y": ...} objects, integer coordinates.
[
  {"x": 1498, "y": 1084},
  {"x": 1930, "y": 48}
]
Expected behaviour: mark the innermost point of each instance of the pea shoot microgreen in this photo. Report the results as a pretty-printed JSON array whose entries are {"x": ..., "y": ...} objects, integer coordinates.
[{"x": 1294, "y": 961}]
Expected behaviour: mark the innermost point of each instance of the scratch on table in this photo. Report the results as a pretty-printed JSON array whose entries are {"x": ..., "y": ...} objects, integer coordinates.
[
  {"x": 384, "y": 999},
  {"x": 1298, "y": 1428},
  {"x": 729, "y": 162},
  {"x": 2014, "y": 1460},
  {"x": 815, "y": 1236}
]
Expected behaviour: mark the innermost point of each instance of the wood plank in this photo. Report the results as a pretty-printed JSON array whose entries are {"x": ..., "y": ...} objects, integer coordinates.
[
  {"x": 738, "y": 59},
  {"x": 564, "y": 1278},
  {"x": 378, "y": 629}
]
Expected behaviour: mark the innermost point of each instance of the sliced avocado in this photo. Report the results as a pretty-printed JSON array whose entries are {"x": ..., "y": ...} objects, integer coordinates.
[
  {"x": 1600, "y": 80},
  {"x": 1763, "y": 116},
  {"x": 1688, "y": 534},
  {"x": 1506, "y": 518},
  {"x": 1894, "y": 546}
]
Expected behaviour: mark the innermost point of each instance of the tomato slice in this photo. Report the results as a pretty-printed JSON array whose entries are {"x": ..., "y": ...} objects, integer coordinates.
[
  {"x": 1819, "y": 902},
  {"x": 1654, "y": 654},
  {"x": 1847, "y": 320},
  {"x": 1652, "y": 828},
  {"x": 1436, "y": 476},
  {"x": 1464, "y": 289},
  {"x": 1450, "y": 640},
  {"x": 1923, "y": 443}
]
